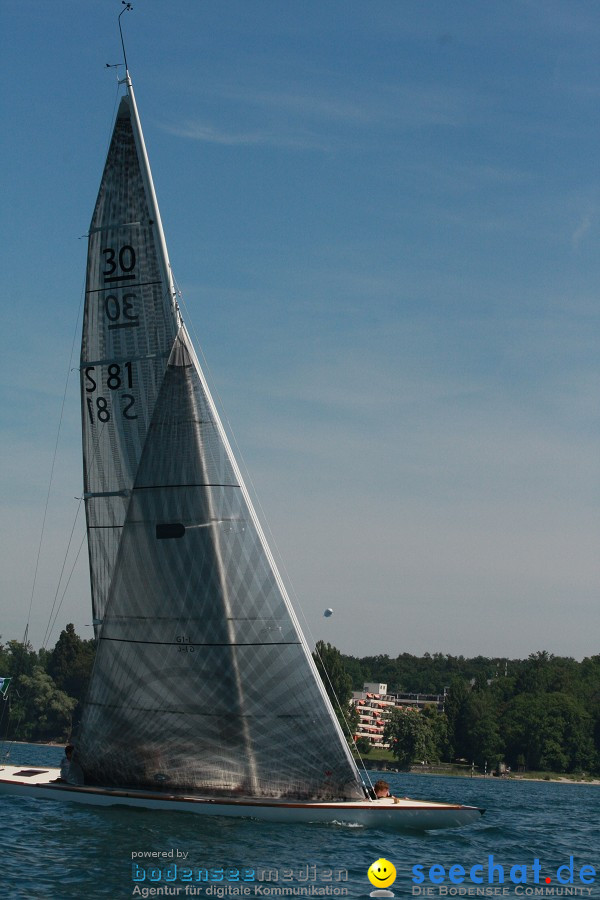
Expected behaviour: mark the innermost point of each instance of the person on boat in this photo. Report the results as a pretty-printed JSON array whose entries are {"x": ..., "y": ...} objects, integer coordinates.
[
  {"x": 70, "y": 770},
  {"x": 66, "y": 762},
  {"x": 381, "y": 789}
]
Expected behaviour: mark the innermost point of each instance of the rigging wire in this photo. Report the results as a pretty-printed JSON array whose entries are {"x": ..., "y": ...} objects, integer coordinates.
[
  {"x": 52, "y": 622},
  {"x": 62, "y": 410},
  {"x": 53, "y": 625},
  {"x": 263, "y": 517},
  {"x": 47, "y": 632},
  {"x": 50, "y": 627}
]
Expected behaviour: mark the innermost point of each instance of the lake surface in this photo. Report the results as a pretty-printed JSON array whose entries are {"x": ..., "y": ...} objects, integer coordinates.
[{"x": 59, "y": 850}]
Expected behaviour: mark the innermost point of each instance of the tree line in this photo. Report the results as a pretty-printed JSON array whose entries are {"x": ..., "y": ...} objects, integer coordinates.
[
  {"x": 47, "y": 687},
  {"x": 541, "y": 713}
]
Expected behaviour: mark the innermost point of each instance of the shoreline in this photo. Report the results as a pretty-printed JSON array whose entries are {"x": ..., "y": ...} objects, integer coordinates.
[
  {"x": 545, "y": 778},
  {"x": 37, "y": 743},
  {"x": 558, "y": 779}
]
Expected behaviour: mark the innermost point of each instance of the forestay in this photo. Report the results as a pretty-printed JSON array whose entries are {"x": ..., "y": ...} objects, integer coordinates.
[{"x": 203, "y": 680}]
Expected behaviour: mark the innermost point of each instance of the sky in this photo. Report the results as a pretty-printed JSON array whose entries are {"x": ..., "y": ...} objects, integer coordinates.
[{"x": 384, "y": 219}]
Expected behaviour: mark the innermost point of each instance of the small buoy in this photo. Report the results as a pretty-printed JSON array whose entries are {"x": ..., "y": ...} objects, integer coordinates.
[{"x": 328, "y": 612}]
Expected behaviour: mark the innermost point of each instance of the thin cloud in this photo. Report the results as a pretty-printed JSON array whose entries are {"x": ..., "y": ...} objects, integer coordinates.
[
  {"x": 331, "y": 108},
  {"x": 582, "y": 229},
  {"x": 315, "y": 120},
  {"x": 209, "y": 134},
  {"x": 407, "y": 104}
]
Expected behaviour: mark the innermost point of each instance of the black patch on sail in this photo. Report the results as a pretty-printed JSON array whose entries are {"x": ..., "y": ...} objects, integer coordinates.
[{"x": 169, "y": 530}]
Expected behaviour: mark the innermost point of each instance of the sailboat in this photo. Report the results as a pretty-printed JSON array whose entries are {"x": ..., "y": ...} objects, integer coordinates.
[{"x": 204, "y": 695}]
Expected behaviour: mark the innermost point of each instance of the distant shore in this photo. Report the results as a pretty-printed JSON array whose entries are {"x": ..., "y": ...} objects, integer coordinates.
[
  {"x": 37, "y": 743},
  {"x": 380, "y": 765},
  {"x": 551, "y": 779},
  {"x": 554, "y": 779}
]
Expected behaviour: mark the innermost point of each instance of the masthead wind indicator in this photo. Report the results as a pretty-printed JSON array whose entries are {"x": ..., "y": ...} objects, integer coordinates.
[{"x": 127, "y": 6}]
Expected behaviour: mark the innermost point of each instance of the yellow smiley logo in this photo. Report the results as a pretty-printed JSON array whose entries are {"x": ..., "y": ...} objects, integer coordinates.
[{"x": 381, "y": 873}]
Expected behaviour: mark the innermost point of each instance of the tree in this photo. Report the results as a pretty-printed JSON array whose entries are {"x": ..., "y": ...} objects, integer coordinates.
[
  {"x": 3, "y": 661},
  {"x": 438, "y": 725},
  {"x": 483, "y": 743},
  {"x": 455, "y": 708},
  {"x": 536, "y": 673},
  {"x": 590, "y": 691},
  {"x": 363, "y": 745},
  {"x": 338, "y": 685},
  {"x": 46, "y": 711},
  {"x": 410, "y": 736},
  {"x": 552, "y": 731},
  {"x": 70, "y": 663},
  {"x": 20, "y": 658}
]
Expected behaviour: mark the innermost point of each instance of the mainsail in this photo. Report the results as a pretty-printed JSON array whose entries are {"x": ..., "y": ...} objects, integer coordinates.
[
  {"x": 130, "y": 323},
  {"x": 203, "y": 680}
]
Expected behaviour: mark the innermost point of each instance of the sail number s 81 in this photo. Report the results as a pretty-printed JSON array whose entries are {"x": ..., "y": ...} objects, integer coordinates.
[{"x": 117, "y": 377}]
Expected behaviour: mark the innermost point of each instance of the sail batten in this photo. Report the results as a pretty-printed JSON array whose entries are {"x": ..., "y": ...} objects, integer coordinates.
[{"x": 203, "y": 679}]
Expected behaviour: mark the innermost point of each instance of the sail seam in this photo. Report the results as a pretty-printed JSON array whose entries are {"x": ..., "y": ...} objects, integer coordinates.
[
  {"x": 111, "y": 287},
  {"x": 215, "y": 715},
  {"x": 120, "y": 359},
  {"x": 216, "y": 644},
  {"x": 110, "y": 226},
  {"x": 91, "y": 495},
  {"x": 152, "y": 487}
]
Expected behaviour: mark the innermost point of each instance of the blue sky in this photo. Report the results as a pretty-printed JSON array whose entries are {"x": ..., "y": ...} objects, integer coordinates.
[{"x": 384, "y": 219}]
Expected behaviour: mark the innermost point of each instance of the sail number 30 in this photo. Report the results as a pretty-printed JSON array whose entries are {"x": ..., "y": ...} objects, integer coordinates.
[{"x": 119, "y": 266}]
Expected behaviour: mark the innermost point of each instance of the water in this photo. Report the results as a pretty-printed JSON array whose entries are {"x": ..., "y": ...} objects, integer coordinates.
[{"x": 56, "y": 850}]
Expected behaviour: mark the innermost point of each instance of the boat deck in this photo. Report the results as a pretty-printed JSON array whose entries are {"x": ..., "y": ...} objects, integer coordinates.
[{"x": 403, "y": 813}]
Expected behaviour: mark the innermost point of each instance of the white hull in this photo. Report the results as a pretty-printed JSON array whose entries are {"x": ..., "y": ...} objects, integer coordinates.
[{"x": 400, "y": 815}]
